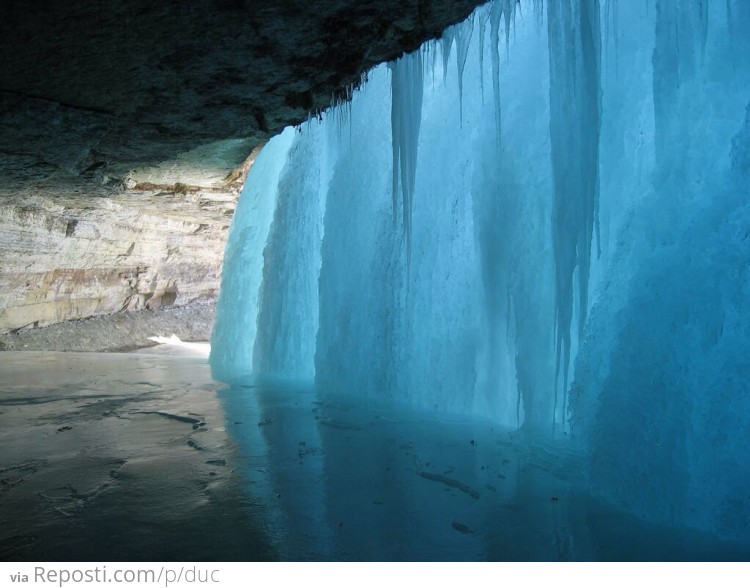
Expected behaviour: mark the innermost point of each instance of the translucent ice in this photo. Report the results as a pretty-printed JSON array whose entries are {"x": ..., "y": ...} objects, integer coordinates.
[
  {"x": 569, "y": 256},
  {"x": 406, "y": 119}
]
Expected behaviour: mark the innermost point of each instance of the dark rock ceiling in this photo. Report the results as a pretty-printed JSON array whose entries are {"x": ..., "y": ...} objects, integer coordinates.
[{"x": 100, "y": 95}]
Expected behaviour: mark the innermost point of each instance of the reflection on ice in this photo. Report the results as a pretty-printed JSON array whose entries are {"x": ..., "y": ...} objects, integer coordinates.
[
  {"x": 352, "y": 479},
  {"x": 142, "y": 457},
  {"x": 118, "y": 457}
]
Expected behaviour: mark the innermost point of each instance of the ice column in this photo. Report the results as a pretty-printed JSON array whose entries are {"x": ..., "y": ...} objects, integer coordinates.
[
  {"x": 660, "y": 398},
  {"x": 234, "y": 334},
  {"x": 406, "y": 119},
  {"x": 575, "y": 118},
  {"x": 288, "y": 301}
]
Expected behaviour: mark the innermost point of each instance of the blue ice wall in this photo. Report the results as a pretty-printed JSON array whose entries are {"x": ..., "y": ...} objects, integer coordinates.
[{"x": 541, "y": 218}]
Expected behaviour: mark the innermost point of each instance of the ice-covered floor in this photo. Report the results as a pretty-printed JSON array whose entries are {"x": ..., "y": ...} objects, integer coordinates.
[{"x": 143, "y": 457}]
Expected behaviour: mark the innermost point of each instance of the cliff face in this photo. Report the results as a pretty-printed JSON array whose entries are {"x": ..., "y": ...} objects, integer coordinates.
[
  {"x": 69, "y": 256},
  {"x": 127, "y": 128}
]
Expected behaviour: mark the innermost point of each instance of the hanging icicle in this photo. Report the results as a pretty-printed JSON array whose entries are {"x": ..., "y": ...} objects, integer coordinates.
[
  {"x": 407, "y": 86},
  {"x": 463, "y": 37},
  {"x": 575, "y": 122},
  {"x": 446, "y": 43},
  {"x": 501, "y": 10}
]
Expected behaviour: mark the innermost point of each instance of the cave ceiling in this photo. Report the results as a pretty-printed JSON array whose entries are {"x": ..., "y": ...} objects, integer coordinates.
[{"x": 111, "y": 96}]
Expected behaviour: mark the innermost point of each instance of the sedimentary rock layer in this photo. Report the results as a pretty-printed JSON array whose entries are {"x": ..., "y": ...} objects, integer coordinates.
[{"x": 71, "y": 257}]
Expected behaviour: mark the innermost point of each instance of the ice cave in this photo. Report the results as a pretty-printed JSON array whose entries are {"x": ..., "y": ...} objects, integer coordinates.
[
  {"x": 539, "y": 221},
  {"x": 491, "y": 301}
]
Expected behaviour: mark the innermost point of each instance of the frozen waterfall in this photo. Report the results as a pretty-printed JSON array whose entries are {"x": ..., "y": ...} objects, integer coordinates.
[{"x": 567, "y": 255}]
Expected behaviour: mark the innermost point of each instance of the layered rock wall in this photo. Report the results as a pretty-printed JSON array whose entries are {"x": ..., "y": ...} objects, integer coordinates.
[{"x": 71, "y": 257}]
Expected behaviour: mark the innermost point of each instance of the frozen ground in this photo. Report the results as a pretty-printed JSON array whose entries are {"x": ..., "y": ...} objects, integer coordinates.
[
  {"x": 117, "y": 457},
  {"x": 142, "y": 456}
]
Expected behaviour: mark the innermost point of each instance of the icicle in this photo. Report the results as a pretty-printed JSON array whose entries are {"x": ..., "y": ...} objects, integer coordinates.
[
  {"x": 498, "y": 10},
  {"x": 463, "y": 37},
  {"x": 446, "y": 42},
  {"x": 495, "y": 14},
  {"x": 616, "y": 32},
  {"x": 432, "y": 48},
  {"x": 703, "y": 7},
  {"x": 351, "y": 118},
  {"x": 730, "y": 33},
  {"x": 342, "y": 112},
  {"x": 508, "y": 9},
  {"x": 539, "y": 11},
  {"x": 482, "y": 24},
  {"x": 681, "y": 34},
  {"x": 406, "y": 116},
  {"x": 516, "y": 11},
  {"x": 575, "y": 87},
  {"x": 610, "y": 28}
]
